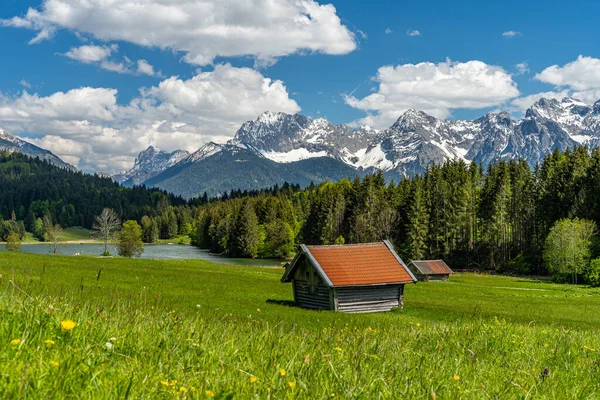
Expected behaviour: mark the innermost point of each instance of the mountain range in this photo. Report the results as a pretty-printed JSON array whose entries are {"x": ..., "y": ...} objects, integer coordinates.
[
  {"x": 12, "y": 144},
  {"x": 276, "y": 147},
  {"x": 279, "y": 147}
]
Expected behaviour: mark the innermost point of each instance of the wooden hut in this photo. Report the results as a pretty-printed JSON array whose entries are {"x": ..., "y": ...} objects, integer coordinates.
[
  {"x": 350, "y": 278},
  {"x": 430, "y": 270}
]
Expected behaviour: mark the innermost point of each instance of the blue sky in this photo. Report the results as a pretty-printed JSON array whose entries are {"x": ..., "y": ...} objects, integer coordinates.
[{"x": 459, "y": 62}]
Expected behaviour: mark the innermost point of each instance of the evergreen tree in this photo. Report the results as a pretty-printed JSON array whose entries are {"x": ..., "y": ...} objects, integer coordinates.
[{"x": 246, "y": 240}]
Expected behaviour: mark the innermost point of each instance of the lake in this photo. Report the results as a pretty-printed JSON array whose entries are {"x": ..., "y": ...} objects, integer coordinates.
[{"x": 155, "y": 251}]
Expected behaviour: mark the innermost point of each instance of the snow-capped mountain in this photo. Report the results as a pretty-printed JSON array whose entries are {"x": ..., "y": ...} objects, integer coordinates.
[
  {"x": 148, "y": 164},
  {"x": 12, "y": 144},
  {"x": 417, "y": 139},
  {"x": 287, "y": 138},
  {"x": 406, "y": 148}
]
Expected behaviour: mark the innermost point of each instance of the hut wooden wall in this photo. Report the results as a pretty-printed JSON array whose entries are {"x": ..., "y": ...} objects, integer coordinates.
[
  {"x": 368, "y": 298},
  {"x": 309, "y": 289}
]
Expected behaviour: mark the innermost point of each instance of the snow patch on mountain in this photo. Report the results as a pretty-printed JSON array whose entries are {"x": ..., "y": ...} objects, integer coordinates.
[{"x": 148, "y": 164}]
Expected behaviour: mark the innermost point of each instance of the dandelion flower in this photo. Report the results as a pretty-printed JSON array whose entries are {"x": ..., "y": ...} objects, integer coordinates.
[
  {"x": 210, "y": 393},
  {"x": 164, "y": 383},
  {"x": 67, "y": 324},
  {"x": 291, "y": 384},
  {"x": 338, "y": 348},
  {"x": 253, "y": 379},
  {"x": 456, "y": 377},
  {"x": 49, "y": 342},
  {"x": 15, "y": 342},
  {"x": 54, "y": 363},
  {"x": 282, "y": 372},
  {"x": 183, "y": 389},
  {"x": 418, "y": 324}
]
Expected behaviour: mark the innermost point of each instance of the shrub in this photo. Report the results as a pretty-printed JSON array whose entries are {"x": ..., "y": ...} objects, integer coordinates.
[
  {"x": 13, "y": 243},
  {"x": 592, "y": 274}
]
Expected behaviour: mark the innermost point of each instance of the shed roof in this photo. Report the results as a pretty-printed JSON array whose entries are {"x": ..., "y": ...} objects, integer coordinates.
[
  {"x": 432, "y": 267},
  {"x": 354, "y": 264}
]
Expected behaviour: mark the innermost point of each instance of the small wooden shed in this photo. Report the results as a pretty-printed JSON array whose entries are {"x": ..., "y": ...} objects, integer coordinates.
[
  {"x": 430, "y": 270},
  {"x": 350, "y": 278}
]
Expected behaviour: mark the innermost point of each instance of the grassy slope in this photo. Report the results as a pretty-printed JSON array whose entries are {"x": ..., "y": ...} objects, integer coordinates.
[
  {"x": 200, "y": 324},
  {"x": 75, "y": 233}
]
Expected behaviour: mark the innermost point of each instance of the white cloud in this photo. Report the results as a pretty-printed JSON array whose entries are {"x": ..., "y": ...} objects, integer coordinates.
[
  {"x": 24, "y": 83},
  {"x": 522, "y": 68},
  {"x": 581, "y": 74},
  {"x": 579, "y": 79},
  {"x": 434, "y": 88},
  {"x": 511, "y": 34},
  {"x": 388, "y": 31},
  {"x": 89, "y": 128},
  {"x": 91, "y": 54},
  {"x": 145, "y": 68},
  {"x": 413, "y": 32},
  {"x": 101, "y": 56},
  {"x": 203, "y": 30}
]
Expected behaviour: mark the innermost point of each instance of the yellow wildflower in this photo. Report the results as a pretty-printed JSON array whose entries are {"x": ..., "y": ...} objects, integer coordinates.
[
  {"x": 183, "y": 389},
  {"x": 54, "y": 363},
  {"x": 253, "y": 379},
  {"x": 338, "y": 348},
  {"x": 456, "y": 377},
  {"x": 210, "y": 393},
  {"x": 164, "y": 383},
  {"x": 49, "y": 342},
  {"x": 291, "y": 384},
  {"x": 418, "y": 324},
  {"x": 282, "y": 372},
  {"x": 15, "y": 342},
  {"x": 67, "y": 324}
]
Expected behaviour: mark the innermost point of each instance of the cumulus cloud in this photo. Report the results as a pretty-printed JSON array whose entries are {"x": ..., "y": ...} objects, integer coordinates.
[
  {"x": 581, "y": 77},
  {"x": 511, "y": 34},
  {"x": 264, "y": 29},
  {"x": 88, "y": 127},
  {"x": 434, "y": 88},
  {"x": 388, "y": 31},
  {"x": 413, "y": 32},
  {"x": 24, "y": 83}
]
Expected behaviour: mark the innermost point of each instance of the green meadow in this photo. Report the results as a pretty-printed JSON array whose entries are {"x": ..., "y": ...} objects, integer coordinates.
[{"x": 197, "y": 330}]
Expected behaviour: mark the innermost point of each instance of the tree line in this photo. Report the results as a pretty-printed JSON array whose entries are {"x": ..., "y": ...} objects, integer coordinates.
[
  {"x": 474, "y": 218},
  {"x": 495, "y": 218}
]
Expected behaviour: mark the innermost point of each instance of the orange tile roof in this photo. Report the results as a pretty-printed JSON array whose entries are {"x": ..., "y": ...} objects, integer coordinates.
[
  {"x": 432, "y": 267},
  {"x": 360, "y": 264}
]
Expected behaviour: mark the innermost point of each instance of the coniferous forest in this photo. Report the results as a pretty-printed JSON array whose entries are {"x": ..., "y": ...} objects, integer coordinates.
[{"x": 495, "y": 218}]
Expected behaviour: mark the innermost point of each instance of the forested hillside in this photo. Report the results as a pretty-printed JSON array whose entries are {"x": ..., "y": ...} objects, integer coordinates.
[
  {"x": 497, "y": 218},
  {"x": 31, "y": 189}
]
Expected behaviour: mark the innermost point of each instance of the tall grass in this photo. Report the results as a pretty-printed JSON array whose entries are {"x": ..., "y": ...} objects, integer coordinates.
[{"x": 196, "y": 330}]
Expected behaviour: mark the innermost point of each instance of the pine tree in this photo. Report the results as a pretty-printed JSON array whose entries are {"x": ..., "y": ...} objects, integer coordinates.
[
  {"x": 246, "y": 240},
  {"x": 418, "y": 221}
]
